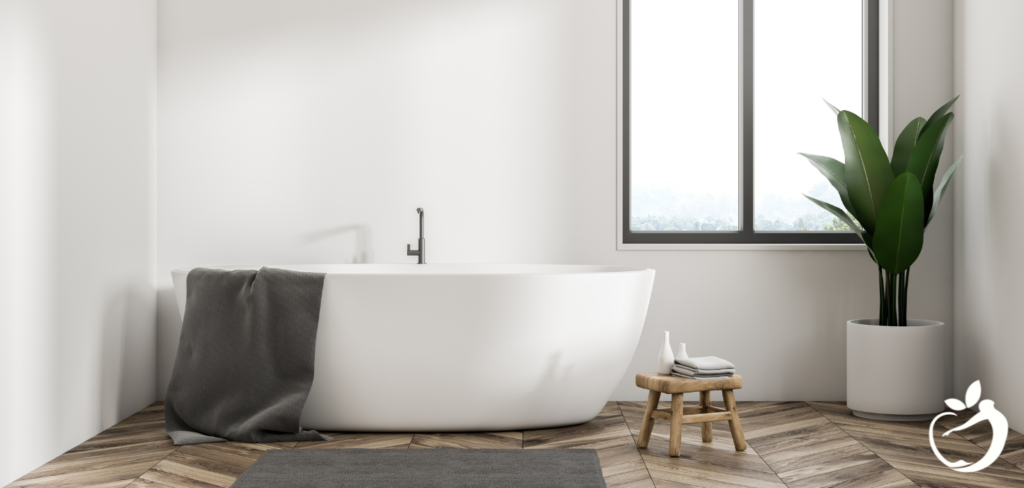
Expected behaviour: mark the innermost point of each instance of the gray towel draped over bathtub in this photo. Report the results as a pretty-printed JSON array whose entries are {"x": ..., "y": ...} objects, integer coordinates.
[{"x": 245, "y": 361}]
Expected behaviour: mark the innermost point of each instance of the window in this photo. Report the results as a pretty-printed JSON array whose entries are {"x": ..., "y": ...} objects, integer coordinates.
[{"x": 718, "y": 99}]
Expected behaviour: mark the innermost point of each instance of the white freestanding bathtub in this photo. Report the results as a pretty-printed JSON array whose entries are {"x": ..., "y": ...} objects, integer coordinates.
[{"x": 445, "y": 347}]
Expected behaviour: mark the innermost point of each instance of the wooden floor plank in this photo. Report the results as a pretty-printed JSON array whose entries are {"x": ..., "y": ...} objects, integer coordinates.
[
  {"x": 941, "y": 476},
  {"x": 88, "y": 477},
  {"x": 800, "y": 438},
  {"x": 469, "y": 440},
  {"x": 647, "y": 482},
  {"x": 885, "y": 477},
  {"x": 819, "y": 463},
  {"x": 141, "y": 483},
  {"x": 172, "y": 480},
  {"x": 661, "y": 483},
  {"x": 219, "y": 469},
  {"x": 195, "y": 472},
  {"x": 628, "y": 474},
  {"x": 252, "y": 451},
  {"x": 846, "y": 474},
  {"x": 797, "y": 454},
  {"x": 205, "y": 452},
  {"x": 361, "y": 441},
  {"x": 903, "y": 482},
  {"x": 680, "y": 473},
  {"x": 82, "y": 461},
  {"x": 106, "y": 440},
  {"x": 108, "y": 484}
]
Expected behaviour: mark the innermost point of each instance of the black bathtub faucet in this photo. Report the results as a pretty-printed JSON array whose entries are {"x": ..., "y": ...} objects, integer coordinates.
[{"x": 422, "y": 251}]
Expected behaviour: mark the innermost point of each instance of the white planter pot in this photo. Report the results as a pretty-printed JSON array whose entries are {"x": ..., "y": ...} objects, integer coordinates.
[{"x": 895, "y": 373}]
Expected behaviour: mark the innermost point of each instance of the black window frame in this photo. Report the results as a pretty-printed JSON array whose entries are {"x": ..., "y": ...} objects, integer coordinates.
[{"x": 746, "y": 233}]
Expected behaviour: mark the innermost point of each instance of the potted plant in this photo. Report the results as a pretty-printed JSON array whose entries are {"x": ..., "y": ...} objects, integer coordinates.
[{"x": 894, "y": 365}]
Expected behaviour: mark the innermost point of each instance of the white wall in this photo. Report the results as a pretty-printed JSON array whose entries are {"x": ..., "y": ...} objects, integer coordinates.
[
  {"x": 281, "y": 121},
  {"x": 77, "y": 161},
  {"x": 988, "y": 260}
]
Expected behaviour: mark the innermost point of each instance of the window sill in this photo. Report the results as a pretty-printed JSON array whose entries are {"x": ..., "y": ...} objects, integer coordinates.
[{"x": 740, "y": 247}]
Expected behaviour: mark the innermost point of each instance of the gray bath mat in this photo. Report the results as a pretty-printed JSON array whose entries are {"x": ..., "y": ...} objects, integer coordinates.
[{"x": 371, "y": 468}]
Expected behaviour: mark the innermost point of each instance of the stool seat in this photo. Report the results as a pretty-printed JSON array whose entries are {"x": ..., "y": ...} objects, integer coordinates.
[
  {"x": 704, "y": 413},
  {"x": 666, "y": 383}
]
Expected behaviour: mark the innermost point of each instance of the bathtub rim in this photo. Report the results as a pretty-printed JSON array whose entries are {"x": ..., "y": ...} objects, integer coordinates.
[{"x": 440, "y": 269}]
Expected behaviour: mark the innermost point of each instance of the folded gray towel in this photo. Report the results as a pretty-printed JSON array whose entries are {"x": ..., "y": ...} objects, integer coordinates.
[
  {"x": 705, "y": 363},
  {"x": 707, "y": 372},
  {"x": 680, "y": 366},
  {"x": 701, "y": 377}
]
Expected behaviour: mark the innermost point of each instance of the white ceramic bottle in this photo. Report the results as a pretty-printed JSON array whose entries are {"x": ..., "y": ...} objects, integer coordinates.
[
  {"x": 682, "y": 351},
  {"x": 665, "y": 359}
]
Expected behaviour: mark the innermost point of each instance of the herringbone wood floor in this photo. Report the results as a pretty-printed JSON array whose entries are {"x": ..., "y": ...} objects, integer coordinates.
[{"x": 796, "y": 444}]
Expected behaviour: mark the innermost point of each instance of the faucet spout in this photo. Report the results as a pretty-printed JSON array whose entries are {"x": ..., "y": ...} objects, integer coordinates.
[{"x": 421, "y": 252}]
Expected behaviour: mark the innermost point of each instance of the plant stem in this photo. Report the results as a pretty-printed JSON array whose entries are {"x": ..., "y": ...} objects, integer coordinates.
[
  {"x": 899, "y": 300},
  {"x": 888, "y": 286},
  {"x": 881, "y": 298},
  {"x": 893, "y": 288},
  {"x": 906, "y": 286},
  {"x": 889, "y": 316},
  {"x": 896, "y": 299}
]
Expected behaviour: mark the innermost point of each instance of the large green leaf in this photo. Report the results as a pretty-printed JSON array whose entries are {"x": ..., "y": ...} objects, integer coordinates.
[
  {"x": 924, "y": 159},
  {"x": 899, "y": 235},
  {"x": 839, "y": 213},
  {"x": 905, "y": 144},
  {"x": 835, "y": 172},
  {"x": 938, "y": 114},
  {"x": 868, "y": 173},
  {"x": 941, "y": 190}
]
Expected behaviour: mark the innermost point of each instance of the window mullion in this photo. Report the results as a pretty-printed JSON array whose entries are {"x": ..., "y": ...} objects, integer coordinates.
[
  {"x": 746, "y": 129},
  {"x": 870, "y": 60}
]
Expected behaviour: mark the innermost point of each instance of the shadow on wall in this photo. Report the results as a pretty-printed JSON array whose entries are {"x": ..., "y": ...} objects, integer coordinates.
[
  {"x": 364, "y": 242},
  {"x": 127, "y": 323},
  {"x": 1004, "y": 177},
  {"x": 168, "y": 335}
]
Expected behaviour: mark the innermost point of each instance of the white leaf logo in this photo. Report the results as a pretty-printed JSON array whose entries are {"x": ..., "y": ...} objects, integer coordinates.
[
  {"x": 973, "y": 394},
  {"x": 986, "y": 413}
]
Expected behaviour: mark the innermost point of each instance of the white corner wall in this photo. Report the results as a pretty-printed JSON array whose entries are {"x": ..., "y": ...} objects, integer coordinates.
[
  {"x": 286, "y": 125},
  {"x": 989, "y": 263},
  {"x": 77, "y": 235}
]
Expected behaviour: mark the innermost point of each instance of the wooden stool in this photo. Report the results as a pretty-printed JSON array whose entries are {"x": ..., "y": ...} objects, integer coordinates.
[{"x": 678, "y": 415}]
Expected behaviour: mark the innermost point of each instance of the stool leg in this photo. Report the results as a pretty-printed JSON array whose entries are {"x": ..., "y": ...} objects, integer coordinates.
[
  {"x": 734, "y": 423},
  {"x": 706, "y": 434},
  {"x": 648, "y": 426},
  {"x": 675, "y": 437}
]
